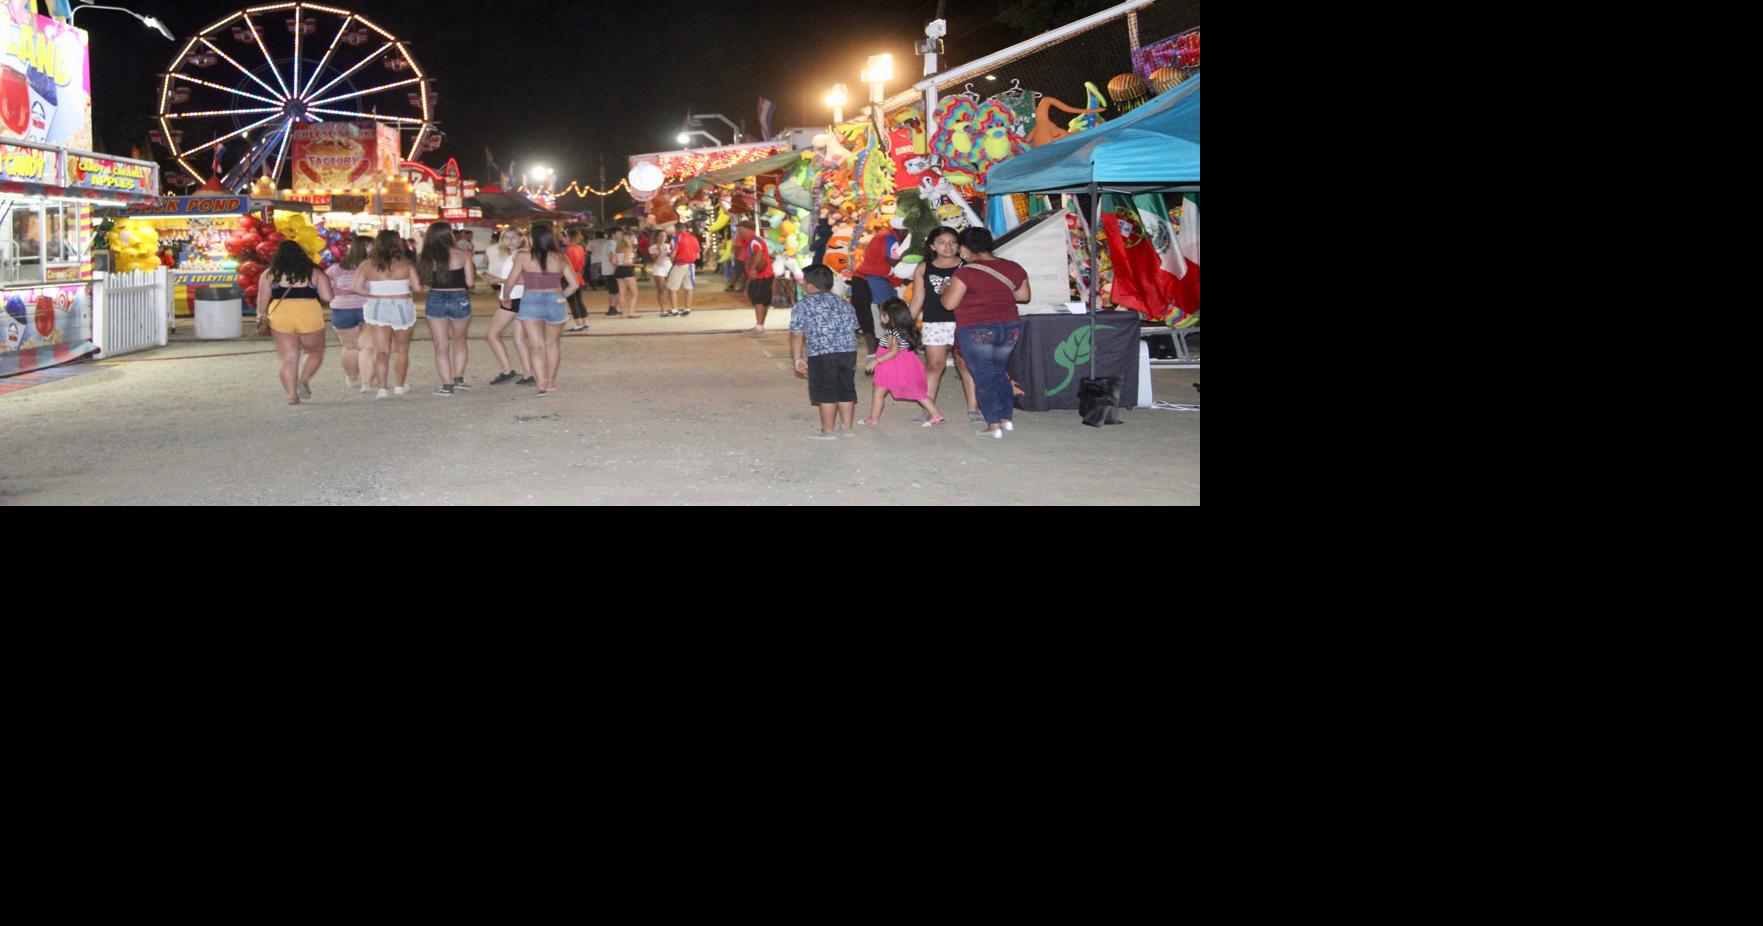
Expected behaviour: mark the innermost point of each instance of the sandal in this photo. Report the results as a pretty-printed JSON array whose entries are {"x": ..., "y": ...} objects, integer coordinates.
[
  {"x": 869, "y": 422},
  {"x": 933, "y": 422}
]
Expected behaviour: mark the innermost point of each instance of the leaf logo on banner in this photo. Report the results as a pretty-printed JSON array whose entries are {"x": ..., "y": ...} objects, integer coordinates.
[{"x": 1072, "y": 353}]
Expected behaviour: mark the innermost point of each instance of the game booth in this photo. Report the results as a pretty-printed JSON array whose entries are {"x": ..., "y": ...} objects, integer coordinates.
[{"x": 50, "y": 186}]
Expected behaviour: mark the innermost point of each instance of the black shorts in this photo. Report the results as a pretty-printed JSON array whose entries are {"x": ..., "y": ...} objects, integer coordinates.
[
  {"x": 832, "y": 378},
  {"x": 759, "y": 293},
  {"x": 624, "y": 273}
]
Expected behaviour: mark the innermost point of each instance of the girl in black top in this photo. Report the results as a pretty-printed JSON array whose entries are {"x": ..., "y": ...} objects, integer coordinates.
[{"x": 928, "y": 283}]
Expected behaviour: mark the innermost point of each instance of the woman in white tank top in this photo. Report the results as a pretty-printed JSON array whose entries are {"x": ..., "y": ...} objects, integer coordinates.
[{"x": 389, "y": 280}]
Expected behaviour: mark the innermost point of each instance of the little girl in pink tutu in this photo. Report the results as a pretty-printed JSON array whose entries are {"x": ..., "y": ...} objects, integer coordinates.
[{"x": 897, "y": 367}]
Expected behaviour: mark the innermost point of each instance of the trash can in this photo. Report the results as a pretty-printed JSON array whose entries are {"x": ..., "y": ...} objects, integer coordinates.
[{"x": 220, "y": 313}]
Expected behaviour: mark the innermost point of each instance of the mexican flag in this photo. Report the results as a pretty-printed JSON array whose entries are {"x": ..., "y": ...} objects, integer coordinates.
[
  {"x": 1183, "y": 260},
  {"x": 1141, "y": 246}
]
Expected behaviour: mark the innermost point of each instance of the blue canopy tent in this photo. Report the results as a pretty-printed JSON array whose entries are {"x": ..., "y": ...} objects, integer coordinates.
[{"x": 1153, "y": 149}]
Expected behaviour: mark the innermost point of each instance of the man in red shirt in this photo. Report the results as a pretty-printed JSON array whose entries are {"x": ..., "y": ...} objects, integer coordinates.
[
  {"x": 759, "y": 276},
  {"x": 684, "y": 275}
]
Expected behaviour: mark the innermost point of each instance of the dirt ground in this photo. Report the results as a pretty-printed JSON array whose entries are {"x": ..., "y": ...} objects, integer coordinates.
[{"x": 650, "y": 411}]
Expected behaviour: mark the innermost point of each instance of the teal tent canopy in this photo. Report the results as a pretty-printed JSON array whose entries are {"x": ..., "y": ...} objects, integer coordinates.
[{"x": 1155, "y": 148}]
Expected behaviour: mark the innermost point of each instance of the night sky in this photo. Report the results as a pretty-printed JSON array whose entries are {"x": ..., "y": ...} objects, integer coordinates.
[{"x": 566, "y": 83}]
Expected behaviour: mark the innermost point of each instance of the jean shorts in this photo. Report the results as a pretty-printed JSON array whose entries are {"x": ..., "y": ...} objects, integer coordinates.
[
  {"x": 345, "y": 319},
  {"x": 447, "y": 303},
  {"x": 545, "y": 305}
]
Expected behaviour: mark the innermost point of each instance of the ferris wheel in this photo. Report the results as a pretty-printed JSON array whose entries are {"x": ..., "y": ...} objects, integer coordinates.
[{"x": 242, "y": 85}]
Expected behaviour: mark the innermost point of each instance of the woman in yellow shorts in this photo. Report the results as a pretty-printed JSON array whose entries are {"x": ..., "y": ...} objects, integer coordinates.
[{"x": 291, "y": 297}]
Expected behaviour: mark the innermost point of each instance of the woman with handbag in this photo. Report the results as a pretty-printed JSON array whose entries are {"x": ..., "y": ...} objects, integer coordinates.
[
  {"x": 289, "y": 304},
  {"x": 984, "y": 296}
]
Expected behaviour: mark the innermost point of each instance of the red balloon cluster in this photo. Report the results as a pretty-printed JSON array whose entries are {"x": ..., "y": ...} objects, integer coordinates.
[
  {"x": 249, "y": 273},
  {"x": 254, "y": 246}
]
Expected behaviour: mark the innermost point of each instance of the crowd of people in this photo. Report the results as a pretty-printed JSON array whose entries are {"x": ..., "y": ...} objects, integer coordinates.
[{"x": 963, "y": 299}]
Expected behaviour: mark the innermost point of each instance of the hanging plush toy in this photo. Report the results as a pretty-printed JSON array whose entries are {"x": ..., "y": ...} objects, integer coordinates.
[
  {"x": 957, "y": 133},
  {"x": 1045, "y": 132},
  {"x": 786, "y": 245},
  {"x": 871, "y": 170},
  {"x": 997, "y": 141},
  {"x": 1097, "y": 102},
  {"x": 917, "y": 217}
]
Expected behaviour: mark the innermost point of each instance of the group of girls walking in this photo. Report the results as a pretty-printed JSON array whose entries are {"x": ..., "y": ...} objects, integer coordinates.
[{"x": 373, "y": 289}]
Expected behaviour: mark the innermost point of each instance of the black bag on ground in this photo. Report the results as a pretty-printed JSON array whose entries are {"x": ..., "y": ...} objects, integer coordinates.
[{"x": 1098, "y": 400}]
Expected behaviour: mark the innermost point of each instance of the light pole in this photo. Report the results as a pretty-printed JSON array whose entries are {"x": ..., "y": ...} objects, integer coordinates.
[
  {"x": 685, "y": 138},
  {"x": 544, "y": 174},
  {"x": 879, "y": 72},
  {"x": 149, "y": 21},
  {"x": 836, "y": 100}
]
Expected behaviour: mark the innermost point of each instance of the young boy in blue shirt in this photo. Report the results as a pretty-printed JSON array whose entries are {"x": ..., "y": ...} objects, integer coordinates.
[{"x": 823, "y": 343}]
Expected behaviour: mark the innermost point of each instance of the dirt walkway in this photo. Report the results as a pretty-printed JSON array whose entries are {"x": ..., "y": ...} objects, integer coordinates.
[{"x": 650, "y": 411}]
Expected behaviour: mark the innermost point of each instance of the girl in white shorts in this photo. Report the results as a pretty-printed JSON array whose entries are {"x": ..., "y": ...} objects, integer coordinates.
[
  {"x": 928, "y": 283},
  {"x": 388, "y": 280}
]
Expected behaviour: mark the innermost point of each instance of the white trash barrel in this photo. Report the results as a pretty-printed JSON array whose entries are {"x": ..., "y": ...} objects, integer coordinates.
[{"x": 220, "y": 313}]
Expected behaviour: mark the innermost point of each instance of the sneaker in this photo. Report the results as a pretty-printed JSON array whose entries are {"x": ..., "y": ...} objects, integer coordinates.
[
  {"x": 995, "y": 435},
  {"x": 501, "y": 378},
  {"x": 400, "y": 390},
  {"x": 821, "y": 435},
  {"x": 382, "y": 394},
  {"x": 366, "y": 386},
  {"x": 446, "y": 389},
  {"x": 527, "y": 381},
  {"x": 686, "y": 312},
  {"x": 459, "y": 383},
  {"x": 669, "y": 313},
  {"x": 1008, "y": 425}
]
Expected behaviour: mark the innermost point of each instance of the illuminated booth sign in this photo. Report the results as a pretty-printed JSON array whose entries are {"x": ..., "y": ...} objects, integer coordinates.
[
  {"x": 20, "y": 164},
  {"x": 45, "y": 79}
]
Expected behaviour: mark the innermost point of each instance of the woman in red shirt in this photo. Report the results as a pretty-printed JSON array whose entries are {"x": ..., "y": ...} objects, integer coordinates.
[
  {"x": 984, "y": 296},
  {"x": 577, "y": 256}
]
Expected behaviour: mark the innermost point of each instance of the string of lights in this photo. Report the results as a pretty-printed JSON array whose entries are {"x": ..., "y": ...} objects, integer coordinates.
[{"x": 577, "y": 189}]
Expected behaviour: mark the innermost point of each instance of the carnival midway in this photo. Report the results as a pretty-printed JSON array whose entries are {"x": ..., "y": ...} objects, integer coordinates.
[{"x": 965, "y": 239}]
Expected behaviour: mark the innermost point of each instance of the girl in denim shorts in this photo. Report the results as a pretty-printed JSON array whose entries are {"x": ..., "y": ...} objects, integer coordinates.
[
  {"x": 549, "y": 280},
  {"x": 448, "y": 273}
]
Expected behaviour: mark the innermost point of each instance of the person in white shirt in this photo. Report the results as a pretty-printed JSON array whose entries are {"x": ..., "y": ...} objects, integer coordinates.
[{"x": 499, "y": 259}]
